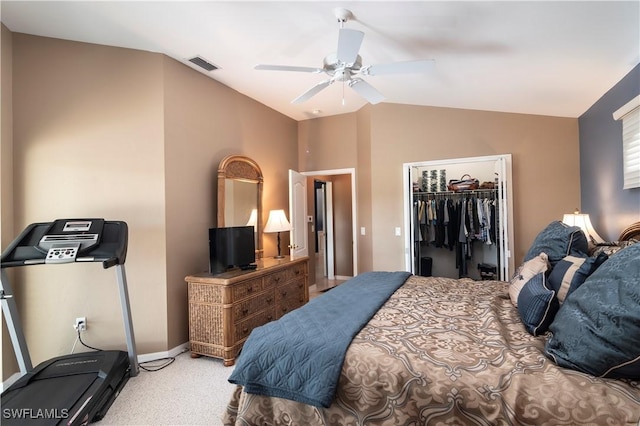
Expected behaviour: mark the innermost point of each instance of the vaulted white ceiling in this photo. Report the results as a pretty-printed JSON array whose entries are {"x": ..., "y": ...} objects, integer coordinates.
[{"x": 538, "y": 57}]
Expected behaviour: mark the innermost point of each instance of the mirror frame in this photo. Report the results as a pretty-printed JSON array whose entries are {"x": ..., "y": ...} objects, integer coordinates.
[{"x": 244, "y": 169}]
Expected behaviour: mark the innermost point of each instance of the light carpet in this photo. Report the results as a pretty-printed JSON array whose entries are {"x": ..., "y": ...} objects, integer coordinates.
[{"x": 190, "y": 391}]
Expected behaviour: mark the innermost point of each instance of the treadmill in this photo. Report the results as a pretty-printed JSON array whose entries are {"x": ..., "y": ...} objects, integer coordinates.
[{"x": 74, "y": 389}]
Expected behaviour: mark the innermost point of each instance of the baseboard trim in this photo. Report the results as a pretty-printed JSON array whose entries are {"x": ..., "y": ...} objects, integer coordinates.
[
  {"x": 141, "y": 358},
  {"x": 343, "y": 277},
  {"x": 164, "y": 354}
]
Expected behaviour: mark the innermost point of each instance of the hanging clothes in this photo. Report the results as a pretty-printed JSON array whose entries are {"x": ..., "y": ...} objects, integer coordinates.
[{"x": 455, "y": 221}]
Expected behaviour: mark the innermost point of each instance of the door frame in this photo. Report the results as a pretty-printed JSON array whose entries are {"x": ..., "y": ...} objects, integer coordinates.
[{"x": 354, "y": 215}]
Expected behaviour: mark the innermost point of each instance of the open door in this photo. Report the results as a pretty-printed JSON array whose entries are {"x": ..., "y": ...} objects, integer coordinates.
[{"x": 298, "y": 214}]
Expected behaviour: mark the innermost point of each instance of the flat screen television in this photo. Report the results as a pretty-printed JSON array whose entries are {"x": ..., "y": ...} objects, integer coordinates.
[{"x": 231, "y": 247}]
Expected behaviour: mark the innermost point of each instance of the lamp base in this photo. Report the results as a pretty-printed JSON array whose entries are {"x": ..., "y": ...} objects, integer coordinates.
[{"x": 279, "y": 256}]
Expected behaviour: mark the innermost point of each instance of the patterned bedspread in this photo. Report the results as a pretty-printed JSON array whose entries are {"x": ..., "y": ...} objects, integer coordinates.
[{"x": 454, "y": 352}]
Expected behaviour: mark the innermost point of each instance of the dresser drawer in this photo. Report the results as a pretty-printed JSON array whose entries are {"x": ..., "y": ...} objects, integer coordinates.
[
  {"x": 276, "y": 279},
  {"x": 293, "y": 289},
  {"x": 250, "y": 306},
  {"x": 289, "y": 305},
  {"x": 243, "y": 328},
  {"x": 297, "y": 271},
  {"x": 290, "y": 297},
  {"x": 246, "y": 288}
]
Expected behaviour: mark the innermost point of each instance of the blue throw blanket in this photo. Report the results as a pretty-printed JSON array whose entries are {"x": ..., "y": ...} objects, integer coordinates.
[{"x": 299, "y": 357}]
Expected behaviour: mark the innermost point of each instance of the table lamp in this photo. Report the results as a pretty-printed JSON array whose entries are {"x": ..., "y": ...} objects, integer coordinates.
[{"x": 277, "y": 222}]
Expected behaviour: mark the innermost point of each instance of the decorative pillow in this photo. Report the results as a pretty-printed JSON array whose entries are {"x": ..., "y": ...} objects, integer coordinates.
[
  {"x": 611, "y": 248},
  {"x": 571, "y": 272},
  {"x": 537, "y": 305},
  {"x": 524, "y": 273},
  {"x": 597, "y": 329},
  {"x": 558, "y": 240}
]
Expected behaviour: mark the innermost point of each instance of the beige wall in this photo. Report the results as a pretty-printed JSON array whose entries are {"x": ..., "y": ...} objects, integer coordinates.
[
  {"x": 205, "y": 122},
  {"x": 134, "y": 136},
  {"x": 327, "y": 143},
  {"x": 7, "y": 358},
  {"x": 544, "y": 149},
  {"x": 364, "y": 190},
  {"x": 88, "y": 142}
]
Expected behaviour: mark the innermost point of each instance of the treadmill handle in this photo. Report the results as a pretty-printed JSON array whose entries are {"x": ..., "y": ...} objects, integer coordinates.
[{"x": 107, "y": 262}]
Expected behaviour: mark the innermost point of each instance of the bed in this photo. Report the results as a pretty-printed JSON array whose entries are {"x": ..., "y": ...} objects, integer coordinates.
[{"x": 458, "y": 351}]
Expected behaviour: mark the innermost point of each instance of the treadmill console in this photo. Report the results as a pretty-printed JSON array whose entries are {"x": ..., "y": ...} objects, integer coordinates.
[
  {"x": 69, "y": 240},
  {"x": 66, "y": 238}
]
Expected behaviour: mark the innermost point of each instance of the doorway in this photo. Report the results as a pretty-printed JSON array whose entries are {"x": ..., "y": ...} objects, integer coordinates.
[
  {"x": 323, "y": 230},
  {"x": 344, "y": 219}
]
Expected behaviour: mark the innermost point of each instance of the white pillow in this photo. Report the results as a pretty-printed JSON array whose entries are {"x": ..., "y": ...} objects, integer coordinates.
[{"x": 525, "y": 272}]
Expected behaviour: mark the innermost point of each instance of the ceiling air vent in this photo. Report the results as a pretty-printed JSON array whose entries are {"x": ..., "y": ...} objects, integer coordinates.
[{"x": 203, "y": 63}]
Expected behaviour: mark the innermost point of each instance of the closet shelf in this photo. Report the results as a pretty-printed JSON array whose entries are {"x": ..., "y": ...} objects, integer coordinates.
[{"x": 471, "y": 191}]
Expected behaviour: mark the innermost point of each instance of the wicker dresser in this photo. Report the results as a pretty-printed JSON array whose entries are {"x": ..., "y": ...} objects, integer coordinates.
[{"x": 224, "y": 308}]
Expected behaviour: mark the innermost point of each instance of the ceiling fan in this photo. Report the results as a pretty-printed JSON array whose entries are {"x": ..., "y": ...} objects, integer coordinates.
[{"x": 345, "y": 65}]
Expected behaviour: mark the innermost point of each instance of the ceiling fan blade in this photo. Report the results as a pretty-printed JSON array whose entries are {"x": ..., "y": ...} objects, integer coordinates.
[
  {"x": 312, "y": 92},
  {"x": 366, "y": 90},
  {"x": 406, "y": 67},
  {"x": 287, "y": 68},
  {"x": 349, "y": 42}
]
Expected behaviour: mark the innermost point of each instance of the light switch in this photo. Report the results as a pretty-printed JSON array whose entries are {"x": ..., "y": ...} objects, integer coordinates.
[
  {"x": 398, "y": 231},
  {"x": 362, "y": 231},
  {"x": 310, "y": 219}
]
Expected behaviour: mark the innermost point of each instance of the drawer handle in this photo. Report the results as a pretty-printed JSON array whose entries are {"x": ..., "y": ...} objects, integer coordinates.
[
  {"x": 277, "y": 279},
  {"x": 284, "y": 293},
  {"x": 297, "y": 272},
  {"x": 250, "y": 290},
  {"x": 270, "y": 317},
  {"x": 285, "y": 309},
  {"x": 269, "y": 300},
  {"x": 300, "y": 285},
  {"x": 245, "y": 330},
  {"x": 245, "y": 311}
]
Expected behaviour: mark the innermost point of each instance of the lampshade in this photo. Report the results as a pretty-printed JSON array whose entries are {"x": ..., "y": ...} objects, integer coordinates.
[
  {"x": 253, "y": 220},
  {"x": 277, "y": 222},
  {"x": 582, "y": 221}
]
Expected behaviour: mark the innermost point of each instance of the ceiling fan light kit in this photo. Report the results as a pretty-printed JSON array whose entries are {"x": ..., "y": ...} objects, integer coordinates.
[{"x": 345, "y": 65}]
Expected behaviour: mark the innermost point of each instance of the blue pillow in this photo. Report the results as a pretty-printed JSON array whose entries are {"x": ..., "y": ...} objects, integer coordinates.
[
  {"x": 597, "y": 329},
  {"x": 570, "y": 272},
  {"x": 537, "y": 305},
  {"x": 559, "y": 240}
]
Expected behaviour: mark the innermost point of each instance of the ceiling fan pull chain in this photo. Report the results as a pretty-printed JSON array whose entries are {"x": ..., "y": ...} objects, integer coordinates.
[{"x": 343, "y": 103}]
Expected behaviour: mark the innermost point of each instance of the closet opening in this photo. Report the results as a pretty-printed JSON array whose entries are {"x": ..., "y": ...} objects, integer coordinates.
[{"x": 459, "y": 234}]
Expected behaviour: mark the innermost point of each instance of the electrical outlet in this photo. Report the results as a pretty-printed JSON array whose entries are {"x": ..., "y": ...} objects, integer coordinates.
[{"x": 80, "y": 324}]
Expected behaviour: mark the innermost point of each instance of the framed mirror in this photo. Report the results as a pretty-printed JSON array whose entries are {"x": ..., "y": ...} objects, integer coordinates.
[{"x": 240, "y": 195}]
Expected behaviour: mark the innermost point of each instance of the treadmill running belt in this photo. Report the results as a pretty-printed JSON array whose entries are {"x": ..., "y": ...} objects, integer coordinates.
[{"x": 43, "y": 402}]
